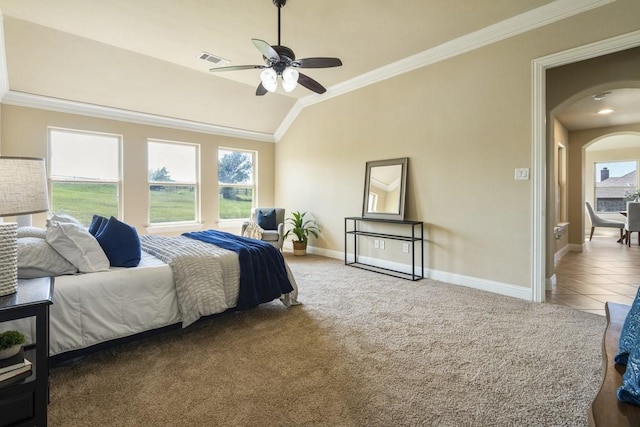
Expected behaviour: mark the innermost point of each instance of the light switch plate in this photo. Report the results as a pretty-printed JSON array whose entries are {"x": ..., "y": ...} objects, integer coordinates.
[{"x": 522, "y": 173}]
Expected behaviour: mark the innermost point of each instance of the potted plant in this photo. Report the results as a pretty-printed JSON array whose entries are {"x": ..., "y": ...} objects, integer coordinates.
[
  {"x": 10, "y": 343},
  {"x": 301, "y": 228}
]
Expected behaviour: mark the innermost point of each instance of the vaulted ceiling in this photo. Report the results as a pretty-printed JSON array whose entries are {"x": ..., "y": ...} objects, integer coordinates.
[{"x": 142, "y": 56}]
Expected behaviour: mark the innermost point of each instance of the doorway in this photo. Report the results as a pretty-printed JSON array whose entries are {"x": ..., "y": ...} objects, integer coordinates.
[{"x": 542, "y": 158}]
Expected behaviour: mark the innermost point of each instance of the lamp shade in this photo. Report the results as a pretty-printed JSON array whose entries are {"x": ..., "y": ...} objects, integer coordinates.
[{"x": 23, "y": 186}]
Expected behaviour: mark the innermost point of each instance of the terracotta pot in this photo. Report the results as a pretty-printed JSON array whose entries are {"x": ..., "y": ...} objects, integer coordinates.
[{"x": 299, "y": 248}]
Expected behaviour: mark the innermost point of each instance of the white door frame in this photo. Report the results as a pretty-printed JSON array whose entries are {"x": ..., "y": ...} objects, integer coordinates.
[{"x": 539, "y": 141}]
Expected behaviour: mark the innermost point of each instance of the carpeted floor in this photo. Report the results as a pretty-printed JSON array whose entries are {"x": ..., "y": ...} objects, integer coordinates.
[{"x": 363, "y": 350}]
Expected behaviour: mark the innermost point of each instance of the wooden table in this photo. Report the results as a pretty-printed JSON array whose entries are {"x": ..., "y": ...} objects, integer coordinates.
[{"x": 606, "y": 410}]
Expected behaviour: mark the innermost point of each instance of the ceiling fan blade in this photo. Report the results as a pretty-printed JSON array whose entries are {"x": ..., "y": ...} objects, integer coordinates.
[
  {"x": 317, "y": 62},
  {"x": 261, "y": 90},
  {"x": 310, "y": 84},
  {"x": 237, "y": 67},
  {"x": 266, "y": 50}
]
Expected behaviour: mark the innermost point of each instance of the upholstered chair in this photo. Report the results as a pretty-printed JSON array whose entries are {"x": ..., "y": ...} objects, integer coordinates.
[
  {"x": 633, "y": 221},
  {"x": 271, "y": 220},
  {"x": 598, "y": 221}
]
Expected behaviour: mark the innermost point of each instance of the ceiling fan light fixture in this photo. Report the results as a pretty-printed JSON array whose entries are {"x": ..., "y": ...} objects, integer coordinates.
[
  {"x": 290, "y": 79},
  {"x": 269, "y": 79}
]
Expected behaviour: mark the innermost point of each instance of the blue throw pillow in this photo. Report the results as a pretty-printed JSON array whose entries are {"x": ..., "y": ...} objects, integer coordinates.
[
  {"x": 630, "y": 333},
  {"x": 267, "y": 220},
  {"x": 121, "y": 244},
  {"x": 97, "y": 224}
]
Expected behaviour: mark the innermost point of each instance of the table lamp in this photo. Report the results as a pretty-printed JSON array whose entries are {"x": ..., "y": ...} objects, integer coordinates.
[{"x": 23, "y": 190}]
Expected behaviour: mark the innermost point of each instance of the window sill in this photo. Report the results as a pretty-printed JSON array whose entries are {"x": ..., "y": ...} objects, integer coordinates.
[
  {"x": 173, "y": 228},
  {"x": 231, "y": 223}
]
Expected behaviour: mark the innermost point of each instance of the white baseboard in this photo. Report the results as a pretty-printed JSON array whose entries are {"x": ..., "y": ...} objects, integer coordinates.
[
  {"x": 506, "y": 289},
  {"x": 550, "y": 282},
  {"x": 576, "y": 247},
  {"x": 558, "y": 255}
]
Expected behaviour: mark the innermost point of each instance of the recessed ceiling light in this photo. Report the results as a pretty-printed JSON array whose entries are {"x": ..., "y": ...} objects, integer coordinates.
[
  {"x": 601, "y": 96},
  {"x": 605, "y": 111}
]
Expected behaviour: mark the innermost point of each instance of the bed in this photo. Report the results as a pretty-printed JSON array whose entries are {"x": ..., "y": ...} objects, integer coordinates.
[{"x": 176, "y": 281}]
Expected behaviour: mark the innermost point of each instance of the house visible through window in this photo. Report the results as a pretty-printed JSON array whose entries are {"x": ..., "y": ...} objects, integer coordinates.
[
  {"x": 614, "y": 182},
  {"x": 236, "y": 183},
  {"x": 173, "y": 182},
  {"x": 85, "y": 173}
]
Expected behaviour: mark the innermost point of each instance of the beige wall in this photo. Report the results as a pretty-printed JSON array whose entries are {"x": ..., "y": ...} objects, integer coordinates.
[
  {"x": 465, "y": 124},
  {"x": 24, "y": 133}
]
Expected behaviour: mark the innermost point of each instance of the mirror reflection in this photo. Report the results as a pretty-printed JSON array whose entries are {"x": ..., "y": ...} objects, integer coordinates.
[
  {"x": 384, "y": 193},
  {"x": 384, "y": 189}
]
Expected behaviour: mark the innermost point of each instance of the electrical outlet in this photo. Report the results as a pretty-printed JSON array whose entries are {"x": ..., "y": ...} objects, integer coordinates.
[
  {"x": 376, "y": 244},
  {"x": 405, "y": 248},
  {"x": 381, "y": 244}
]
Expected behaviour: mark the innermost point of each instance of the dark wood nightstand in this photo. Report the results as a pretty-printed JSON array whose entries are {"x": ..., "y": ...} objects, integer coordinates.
[{"x": 25, "y": 403}]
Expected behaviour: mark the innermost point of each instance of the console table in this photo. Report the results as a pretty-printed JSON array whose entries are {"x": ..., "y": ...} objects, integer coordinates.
[
  {"x": 414, "y": 234},
  {"x": 25, "y": 403}
]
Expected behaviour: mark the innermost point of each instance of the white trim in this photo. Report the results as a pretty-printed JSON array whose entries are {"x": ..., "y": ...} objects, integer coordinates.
[
  {"x": 577, "y": 247},
  {"x": 539, "y": 140},
  {"x": 73, "y": 107},
  {"x": 538, "y": 162},
  {"x": 507, "y": 289},
  {"x": 551, "y": 282},
  {"x": 562, "y": 252},
  {"x": 544, "y": 15},
  {"x": 4, "y": 73}
]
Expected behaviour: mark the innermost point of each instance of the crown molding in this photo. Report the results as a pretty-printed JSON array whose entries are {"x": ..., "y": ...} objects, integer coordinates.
[
  {"x": 544, "y": 15},
  {"x": 72, "y": 107},
  {"x": 541, "y": 16}
]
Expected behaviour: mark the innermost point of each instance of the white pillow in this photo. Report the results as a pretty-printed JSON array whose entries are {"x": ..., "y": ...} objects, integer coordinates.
[
  {"x": 29, "y": 231},
  {"x": 36, "y": 258},
  {"x": 63, "y": 218},
  {"x": 78, "y": 246}
]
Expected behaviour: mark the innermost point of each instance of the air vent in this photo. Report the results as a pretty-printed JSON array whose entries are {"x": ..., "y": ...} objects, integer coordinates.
[{"x": 213, "y": 59}]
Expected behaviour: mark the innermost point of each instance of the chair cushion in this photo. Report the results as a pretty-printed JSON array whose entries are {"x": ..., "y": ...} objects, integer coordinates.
[
  {"x": 270, "y": 235},
  {"x": 267, "y": 220}
]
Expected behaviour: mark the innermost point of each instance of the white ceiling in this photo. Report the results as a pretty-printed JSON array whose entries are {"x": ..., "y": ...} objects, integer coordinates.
[
  {"x": 365, "y": 34},
  {"x": 142, "y": 55},
  {"x": 583, "y": 114}
]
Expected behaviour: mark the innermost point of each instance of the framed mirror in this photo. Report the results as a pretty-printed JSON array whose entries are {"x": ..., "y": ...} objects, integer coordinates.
[{"x": 385, "y": 185}]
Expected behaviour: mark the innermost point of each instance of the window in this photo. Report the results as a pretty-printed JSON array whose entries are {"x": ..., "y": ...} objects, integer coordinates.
[
  {"x": 84, "y": 173},
  {"x": 614, "y": 180},
  {"x": 173, "y": 182},
  {"x": 236, "y": 184}
]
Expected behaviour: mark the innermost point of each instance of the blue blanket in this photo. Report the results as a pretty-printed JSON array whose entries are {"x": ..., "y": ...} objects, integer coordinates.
[{"x": 263, "y": 275}]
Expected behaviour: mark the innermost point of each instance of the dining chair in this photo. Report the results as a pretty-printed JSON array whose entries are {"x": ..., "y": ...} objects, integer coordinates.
[
  {"x": 598, "y": 221},
  {"x": 633, "y": 221}
]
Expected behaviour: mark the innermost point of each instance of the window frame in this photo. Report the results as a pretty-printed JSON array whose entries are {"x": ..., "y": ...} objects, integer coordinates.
[
  {"x": 253, "y": 185},
  {"x": 197, "y": 185},
  {"x": 118, "y": 182},
  {"x": 596, "y": 170}
]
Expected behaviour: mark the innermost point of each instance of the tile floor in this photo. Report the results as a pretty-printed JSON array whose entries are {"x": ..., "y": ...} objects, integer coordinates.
[{"x": 605, "y": 271}]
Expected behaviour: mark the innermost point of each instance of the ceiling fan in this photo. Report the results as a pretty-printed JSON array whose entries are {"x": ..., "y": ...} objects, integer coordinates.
[{"x": 281, "y": 61}]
